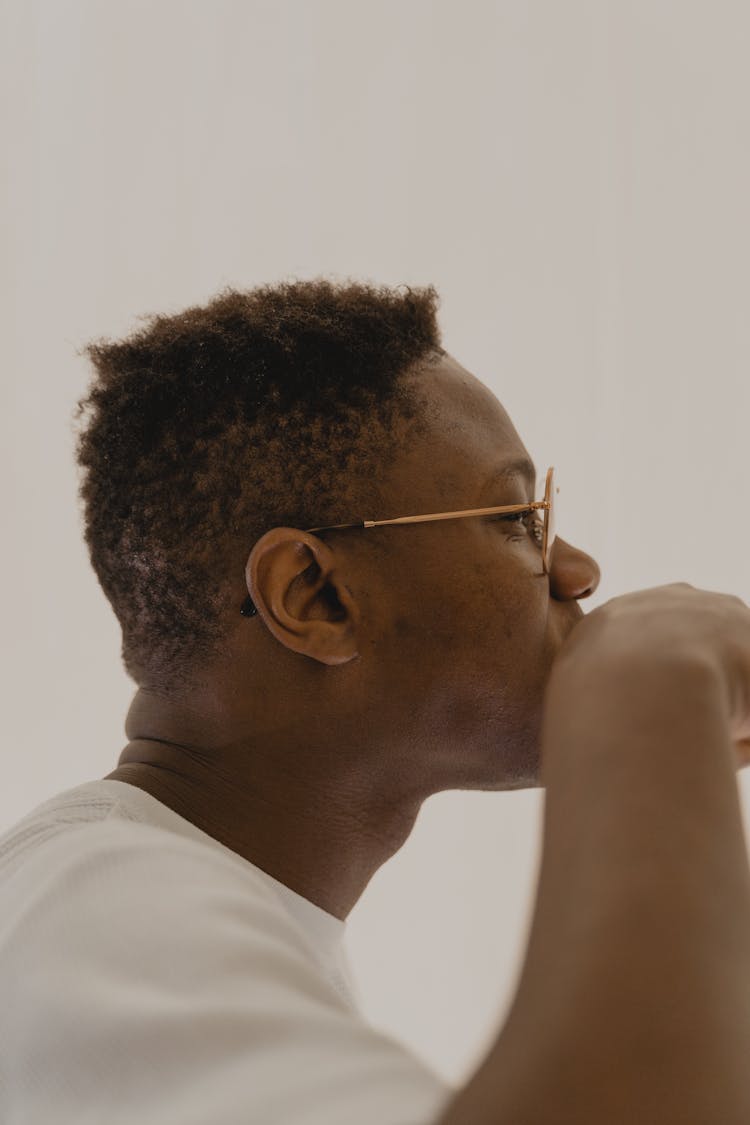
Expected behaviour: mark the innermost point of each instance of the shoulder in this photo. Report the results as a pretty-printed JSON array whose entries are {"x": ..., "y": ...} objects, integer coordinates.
[
  {"x": 154, "y": 972},
  {"x": 101, "y": 870}
]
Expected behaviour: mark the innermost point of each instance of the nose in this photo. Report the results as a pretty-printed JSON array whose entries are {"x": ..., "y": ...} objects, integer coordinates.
[{"x": 572, "y": 573}]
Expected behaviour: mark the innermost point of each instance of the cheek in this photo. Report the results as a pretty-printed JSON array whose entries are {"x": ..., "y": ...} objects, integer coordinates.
[
  {"x": 502, "y": 649},
  {"x": 459, "y": 647},
  {"x": 504, "y": 606},
  {"x": 474, "y": 609},
  {"x": 468, "y": 657}
]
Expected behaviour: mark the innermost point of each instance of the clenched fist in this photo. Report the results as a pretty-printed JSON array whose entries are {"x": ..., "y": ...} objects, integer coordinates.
[{"x": 676, "y": 624}]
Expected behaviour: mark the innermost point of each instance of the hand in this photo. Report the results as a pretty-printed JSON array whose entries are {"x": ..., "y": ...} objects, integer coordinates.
[{"x": 673, "y": 624}]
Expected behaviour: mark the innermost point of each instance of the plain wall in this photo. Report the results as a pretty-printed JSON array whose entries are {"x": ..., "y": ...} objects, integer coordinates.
[{"x": 574, "y": 179}]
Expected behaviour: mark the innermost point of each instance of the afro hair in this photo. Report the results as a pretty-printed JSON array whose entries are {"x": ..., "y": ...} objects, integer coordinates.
[{"x": 204, "y": 429}]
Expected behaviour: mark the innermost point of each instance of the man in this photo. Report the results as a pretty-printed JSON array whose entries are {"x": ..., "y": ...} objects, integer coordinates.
[{"x": 174, "y": 930}]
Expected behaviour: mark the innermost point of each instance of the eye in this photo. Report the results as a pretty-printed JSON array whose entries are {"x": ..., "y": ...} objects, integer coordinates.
[{"x": 530, "y": 520}]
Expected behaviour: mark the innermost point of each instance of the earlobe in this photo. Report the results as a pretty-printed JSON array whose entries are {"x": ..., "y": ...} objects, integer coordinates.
[{"x": 296, "y": 586}]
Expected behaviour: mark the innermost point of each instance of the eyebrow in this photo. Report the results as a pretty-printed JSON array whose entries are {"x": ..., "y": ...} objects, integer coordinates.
[{"x": 519, "y": 466}]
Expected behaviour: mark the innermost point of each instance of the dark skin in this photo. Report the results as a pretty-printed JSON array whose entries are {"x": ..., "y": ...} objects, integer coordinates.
[{"x": 372, "y": 679}]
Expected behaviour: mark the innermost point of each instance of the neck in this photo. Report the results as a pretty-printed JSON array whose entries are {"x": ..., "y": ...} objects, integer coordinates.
[{"x": 313, "y": 815}]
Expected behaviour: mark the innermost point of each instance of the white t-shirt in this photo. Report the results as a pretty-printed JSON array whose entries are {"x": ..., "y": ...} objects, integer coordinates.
[{"x": 151, "y": 976}]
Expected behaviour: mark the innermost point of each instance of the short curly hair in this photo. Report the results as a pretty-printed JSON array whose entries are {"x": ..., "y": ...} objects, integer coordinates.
[{"x": 208, "y": 427}]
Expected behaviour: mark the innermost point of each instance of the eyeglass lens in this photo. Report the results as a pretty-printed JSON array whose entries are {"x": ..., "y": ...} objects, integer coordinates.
[{"x": 550, "y": 521}]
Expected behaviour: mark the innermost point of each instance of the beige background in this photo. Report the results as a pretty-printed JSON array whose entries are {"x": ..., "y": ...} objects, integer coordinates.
[{"x": 573, "y": 177}]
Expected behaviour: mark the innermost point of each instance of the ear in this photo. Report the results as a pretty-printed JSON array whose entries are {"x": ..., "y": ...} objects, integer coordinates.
[{"x": 296, "y": 585}]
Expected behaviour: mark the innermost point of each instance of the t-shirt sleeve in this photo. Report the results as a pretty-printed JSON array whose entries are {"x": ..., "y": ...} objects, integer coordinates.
[{"x": 149, "y": 981}]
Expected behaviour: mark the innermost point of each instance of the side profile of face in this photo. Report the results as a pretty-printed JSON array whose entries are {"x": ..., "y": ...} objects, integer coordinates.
[{"x": 432, "y": 651}]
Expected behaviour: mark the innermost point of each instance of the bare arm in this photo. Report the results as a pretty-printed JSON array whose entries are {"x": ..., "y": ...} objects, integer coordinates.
[{"x": 634, "y": 1000}]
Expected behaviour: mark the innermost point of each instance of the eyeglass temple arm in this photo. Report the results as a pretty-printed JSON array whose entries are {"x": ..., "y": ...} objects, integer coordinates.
[
  {"x": 248, "y": 609},
  {"x": 435, "y": 516}
]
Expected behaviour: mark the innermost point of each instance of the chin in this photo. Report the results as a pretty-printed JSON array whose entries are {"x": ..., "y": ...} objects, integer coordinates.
[
  {"x": 516, "y": 767},
  {"x": 518, "y": 764},
  {"x": 528, "y": 778}
]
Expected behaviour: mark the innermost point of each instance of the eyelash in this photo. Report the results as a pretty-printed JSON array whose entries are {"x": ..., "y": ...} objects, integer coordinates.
[{"x": 529, "y": 519}]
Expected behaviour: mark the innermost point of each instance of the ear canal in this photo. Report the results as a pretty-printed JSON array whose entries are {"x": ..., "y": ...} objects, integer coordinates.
[{"x": 333, "y": 600}]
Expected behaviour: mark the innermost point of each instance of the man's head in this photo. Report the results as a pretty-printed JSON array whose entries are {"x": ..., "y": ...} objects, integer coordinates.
[{"x": 413, "y": 656}]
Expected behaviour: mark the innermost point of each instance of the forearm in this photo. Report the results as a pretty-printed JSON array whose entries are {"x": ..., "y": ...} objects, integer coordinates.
[{"x": 634, "y": 998}]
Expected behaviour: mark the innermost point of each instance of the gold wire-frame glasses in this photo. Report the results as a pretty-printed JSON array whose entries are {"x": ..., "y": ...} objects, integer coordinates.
[{"x": 247, "y": 609}]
